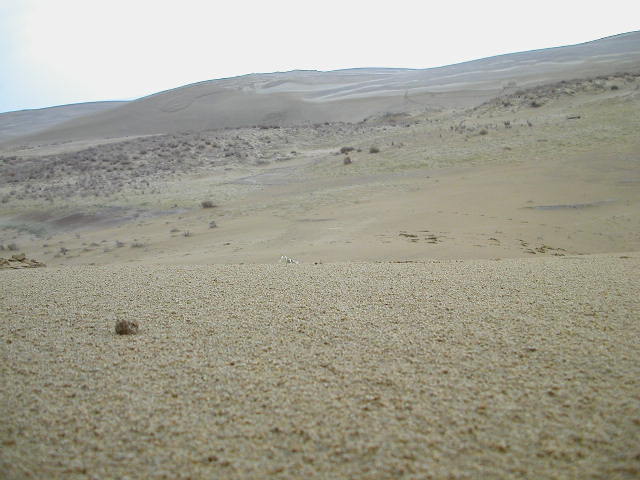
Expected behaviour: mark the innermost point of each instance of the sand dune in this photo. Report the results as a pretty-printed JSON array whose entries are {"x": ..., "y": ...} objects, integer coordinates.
[
  {"x": 292, "y": 98},
  {"x": 28, "y": 122},
  {"x": 504, "y": 180},
  {"x": 463, "y": 303}
]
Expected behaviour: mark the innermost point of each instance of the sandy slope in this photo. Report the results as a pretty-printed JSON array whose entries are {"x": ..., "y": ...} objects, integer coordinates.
[
  {"x": 297, "y": 97},
  {"x": 28, "y": 122},
  {"x": 459, "y": 368},
  {"x": 435, "y": 190},
  {"x": 455, "y": 369}
]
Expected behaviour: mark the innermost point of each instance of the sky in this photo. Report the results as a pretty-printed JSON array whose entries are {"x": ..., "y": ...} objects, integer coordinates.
[{"x": 55, "y": 52}]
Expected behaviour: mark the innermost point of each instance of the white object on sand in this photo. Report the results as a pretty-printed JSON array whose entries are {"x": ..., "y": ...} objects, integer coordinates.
[{"x": 285, "y": 259}]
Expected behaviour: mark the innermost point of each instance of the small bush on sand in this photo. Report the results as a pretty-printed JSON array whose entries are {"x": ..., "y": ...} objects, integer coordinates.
[
  {"x": 187, "y": 233},
  {"x": 483, "y": 131},
  {"x": 374, "y": 150},
  {"x": 347, "y": 161},
  {"x": 12, "y": 247},
  {"x": 126, "y": 327},
  {"x": 207, "y": 204},
  {"x": 346, "y": 150}
]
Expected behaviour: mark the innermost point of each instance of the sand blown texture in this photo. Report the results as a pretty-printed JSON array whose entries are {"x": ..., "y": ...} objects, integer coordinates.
[{"x": 454, "y": 369}]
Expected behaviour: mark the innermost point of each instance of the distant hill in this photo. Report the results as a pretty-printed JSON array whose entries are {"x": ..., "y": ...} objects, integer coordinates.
[
  {"x": 28, "y": 122},
  {"x": 299, "y": 97}
]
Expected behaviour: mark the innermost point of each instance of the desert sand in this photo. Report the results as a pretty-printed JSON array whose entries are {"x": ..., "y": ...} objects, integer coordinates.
[
  {"x": 443, "y": 369},
  {"x": 29, "y": 122},
  {"x": 463, "y": 301},
  {"x": 504, "y": 179}
]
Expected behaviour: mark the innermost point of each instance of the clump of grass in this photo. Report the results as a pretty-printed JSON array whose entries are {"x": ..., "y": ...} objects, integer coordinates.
[
  {"x": 207, "y": 204},
  {"x": 12, "y": 247},
  {"x": 137, "y": 244},
  {"x": 483, "y": 131},
  {"x": 374, "y": 150},
  {"x": 126, "y": 327},
  {"x": 187, "y": 233},
  {"x": 347, "y": 161},
  {"x": 346, "y": 150}
]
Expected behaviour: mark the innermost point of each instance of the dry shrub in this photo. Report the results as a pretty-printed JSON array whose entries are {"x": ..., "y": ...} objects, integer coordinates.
[{"x": 126, "y": 327}]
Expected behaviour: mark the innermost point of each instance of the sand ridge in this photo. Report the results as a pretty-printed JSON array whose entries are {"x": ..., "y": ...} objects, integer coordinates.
[{"x": 307, "y": 96}]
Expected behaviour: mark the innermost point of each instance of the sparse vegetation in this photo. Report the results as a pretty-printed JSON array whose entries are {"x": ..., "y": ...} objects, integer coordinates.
[
  {"x": 127, "y": 327},
  {"x": 374, "y": 150},
  {"x": 132, "y": 165},
  {"x": 347, "y": 161},
  {"x": 346, "y": 150},
  {"x": 187, "y": 233},
  {"x": 207, "y": 204}
]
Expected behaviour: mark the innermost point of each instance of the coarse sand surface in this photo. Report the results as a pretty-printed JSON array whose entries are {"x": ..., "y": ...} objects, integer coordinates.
[{"x": 525, "y": 368}]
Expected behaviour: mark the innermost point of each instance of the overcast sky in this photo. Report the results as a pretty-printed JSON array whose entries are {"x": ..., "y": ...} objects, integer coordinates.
[{"x": 55, "y": 52}]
